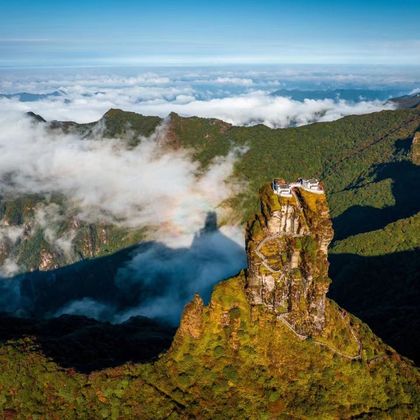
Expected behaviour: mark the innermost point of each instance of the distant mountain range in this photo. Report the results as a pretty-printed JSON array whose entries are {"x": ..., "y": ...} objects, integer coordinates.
[
  {"x": 352, "y": 95},
  {"x": 30, "y": 97},
  {"x": 364, "y": 161},
  {"x": 407, "y": 101},
  {"x": 346, "y": 94}
]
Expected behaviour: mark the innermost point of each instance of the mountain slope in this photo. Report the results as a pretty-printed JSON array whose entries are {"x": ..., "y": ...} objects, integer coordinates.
[
  {"x": 261, "y": 348},
  {"x": 358, "y": 157},
  {"x": 367, "y": 163}
]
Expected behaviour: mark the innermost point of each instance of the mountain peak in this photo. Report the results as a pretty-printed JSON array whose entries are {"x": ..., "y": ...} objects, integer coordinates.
[
  {"x": 287, "y": 253},
  {"x": 271, "y": 341}
]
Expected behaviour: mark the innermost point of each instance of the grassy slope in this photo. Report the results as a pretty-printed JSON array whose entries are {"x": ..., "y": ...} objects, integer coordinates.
[
  {"x": 398, "y": 236},
  {"x": 376, "y": 277},
  {"x": 227, "y": 361}
]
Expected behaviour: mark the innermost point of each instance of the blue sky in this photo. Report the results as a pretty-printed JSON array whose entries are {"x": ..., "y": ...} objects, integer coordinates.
[{"x": 135, "y": 32}]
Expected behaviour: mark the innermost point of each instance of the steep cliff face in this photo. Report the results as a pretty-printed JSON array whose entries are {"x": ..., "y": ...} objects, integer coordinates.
[
  {"x": 287, "y": 276},
  {"x": 415, "y": 149},
  {"x": 287, "y": 257}
]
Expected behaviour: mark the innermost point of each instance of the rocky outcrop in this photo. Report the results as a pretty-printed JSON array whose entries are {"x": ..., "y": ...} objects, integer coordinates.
[
  {"x": 270, "y": 340},
  {"x": 287, "y": 257},
  {"x": 192, "y": 320},
  {"x": 415, "y": 149}
]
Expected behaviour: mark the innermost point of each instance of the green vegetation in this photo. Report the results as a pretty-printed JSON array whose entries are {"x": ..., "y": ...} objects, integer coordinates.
[
  {"x": 342, "y": 153},
  {"x": 350, "y": 155},
  {"x": 364, "y": 161},
  {"x": 375, "y": 276},
  {"x": 37, "y": 248},
  {"x": 372, "y": 185},
  {"x": 124, "y": 124},
  {"x": 399, "y": 236},
  {"x": 227, "y": 361}
]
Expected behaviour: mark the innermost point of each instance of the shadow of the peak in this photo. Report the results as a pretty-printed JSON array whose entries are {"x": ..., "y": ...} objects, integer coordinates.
[
  {"x": 86, "y": 344},
  {"x": 384, "y": 292},
  {"x": 118, "y": 308}
]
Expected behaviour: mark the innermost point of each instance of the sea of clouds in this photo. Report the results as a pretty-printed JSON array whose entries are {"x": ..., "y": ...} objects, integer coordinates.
[
  {"x": 146, "y": 186},
  {"x": 238, "y": 96}
]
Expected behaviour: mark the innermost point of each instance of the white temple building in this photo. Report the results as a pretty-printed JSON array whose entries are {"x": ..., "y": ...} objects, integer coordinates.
[
  {"x": 281, "y": 188},
  {"x": 284, "y": 189}
]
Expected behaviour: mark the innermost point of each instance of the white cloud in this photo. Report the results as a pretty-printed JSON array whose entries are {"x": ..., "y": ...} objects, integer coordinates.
[
  {"x": 260, "y": 108},
  {"x": 257, "y": 107},
  {"x": 9, "y": 236},
  {"x": 234, "y": 81},
  {"x": 105, "y": 181},
  {"x": 159, "y": 281},
  {"x": 239, "y": 96},
  {"x": 144, "y": 186},
  {"x": 10, "y": 233},
  {"x": 9, "y": 267},
  {"x": 48, "y": 217},
  {"x": 196, "y": 270},
  {"x": 87, "y": 307}
]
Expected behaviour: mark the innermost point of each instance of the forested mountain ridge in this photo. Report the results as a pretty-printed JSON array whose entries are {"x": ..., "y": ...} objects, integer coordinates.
[
  {"x": 368, "y": 166},
  {"x": 360, "y": 159}
]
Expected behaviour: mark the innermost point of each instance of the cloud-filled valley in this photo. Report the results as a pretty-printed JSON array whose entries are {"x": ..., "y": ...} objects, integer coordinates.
[
  {"x": 107, "y": 181},
  {"x": 147, "y": 186}
]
